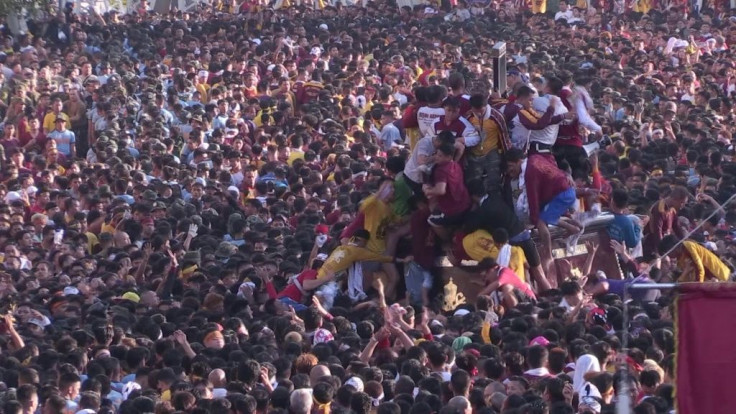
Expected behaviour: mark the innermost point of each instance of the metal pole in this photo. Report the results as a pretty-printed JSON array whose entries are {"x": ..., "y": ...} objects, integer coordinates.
[
  {"x": 498, "y": 54},
  {"x": 651, "y": 286},
  {"x": 705, "y": 220}
]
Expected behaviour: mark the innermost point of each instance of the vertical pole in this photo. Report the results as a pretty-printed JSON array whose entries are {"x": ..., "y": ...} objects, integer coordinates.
[{"x": 498, "y": 54}]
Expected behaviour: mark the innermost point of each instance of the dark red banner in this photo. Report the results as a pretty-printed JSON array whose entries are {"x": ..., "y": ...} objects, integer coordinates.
[{"x": 706, "y": 348}]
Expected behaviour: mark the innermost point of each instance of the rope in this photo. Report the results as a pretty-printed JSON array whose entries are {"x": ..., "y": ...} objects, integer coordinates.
[{"x": 687, "y": 236}]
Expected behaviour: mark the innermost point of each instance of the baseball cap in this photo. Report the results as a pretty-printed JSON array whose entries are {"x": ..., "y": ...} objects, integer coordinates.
[{"x": 131, "y": 296}]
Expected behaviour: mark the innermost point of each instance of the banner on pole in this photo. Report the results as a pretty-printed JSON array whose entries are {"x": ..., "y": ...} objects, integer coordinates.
[{"x": 706, "y": 334}]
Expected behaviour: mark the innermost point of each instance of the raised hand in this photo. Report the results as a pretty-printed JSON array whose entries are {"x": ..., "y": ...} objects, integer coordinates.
[
  {"x": 193, "y": 228},
  {"x": 180, "y": 337}
]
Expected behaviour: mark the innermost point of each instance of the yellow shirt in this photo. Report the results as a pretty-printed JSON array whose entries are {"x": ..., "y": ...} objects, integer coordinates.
[
  {"x": 642, "y": 6},
  {"x": 49, "y": 121},
  {"x": 377, "y": 217},
  {"x": 295, "y": 155},
  {"x": 479, "y": 245},
  {"x": 413, "y": 135},
  {"x": 204, "y": 91},
  {"x": 92, "y": 241},
  {"x": 489, "y": 135},
  {"x": 698, "y": 263},
  {"x": 539, "y": 6},
  {"x": 343, "y": 256}
]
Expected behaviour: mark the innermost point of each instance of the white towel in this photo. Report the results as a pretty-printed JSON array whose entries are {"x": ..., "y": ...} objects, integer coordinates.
[
  {"x": 504, "y": 255},
  {"x": 355, "y": 282},
  {"x": 327, "y": 294},
  {"x": 638, "y": 250},
  {"x": 673, "y": 43}
]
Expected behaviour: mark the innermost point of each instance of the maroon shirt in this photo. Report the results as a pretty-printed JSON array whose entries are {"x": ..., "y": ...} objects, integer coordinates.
[
  {"x": 456, "y": 199},
  {"x": 464, "y": 103},
  {"x": 457, "y": 127},
  {"x": 544, "y": 181},
  {"x": 569, "y": 133},
  {"x": 663, "y": 221}
]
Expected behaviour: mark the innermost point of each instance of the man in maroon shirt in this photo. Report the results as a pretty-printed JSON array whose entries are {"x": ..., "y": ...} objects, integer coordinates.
[
  {"x": 465, "y": 133},
  {"x": 663, "y": 219},
  {"x": 456, "y": 83},
  {"x": 448, "y": 193},
  {"x": 549, "y": 193}
]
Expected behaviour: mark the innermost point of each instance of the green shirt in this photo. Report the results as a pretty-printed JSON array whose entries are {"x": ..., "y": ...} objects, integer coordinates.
[{"x": 402, "y": 193}]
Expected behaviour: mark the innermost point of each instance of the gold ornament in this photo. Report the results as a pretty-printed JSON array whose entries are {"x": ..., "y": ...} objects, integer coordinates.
[{"x": 453, "y": 298}]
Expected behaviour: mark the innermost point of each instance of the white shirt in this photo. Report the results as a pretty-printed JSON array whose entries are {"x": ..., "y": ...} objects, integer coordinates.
[
  {"x": 566, "y": 15},
  {"x": 426, "y": 117},
  {"x": 412, "y": 169},
  {"x": 470, "y": 134},
  {"x": 583, "y": 116},
  {"x": 547, "y": 135}
]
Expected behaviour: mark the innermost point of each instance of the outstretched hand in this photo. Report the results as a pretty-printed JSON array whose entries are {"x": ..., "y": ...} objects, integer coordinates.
[{"x": 180, "y": 337}]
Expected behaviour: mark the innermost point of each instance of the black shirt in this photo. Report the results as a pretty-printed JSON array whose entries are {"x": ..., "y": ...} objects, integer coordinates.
[{"x": 494, "y": 213}]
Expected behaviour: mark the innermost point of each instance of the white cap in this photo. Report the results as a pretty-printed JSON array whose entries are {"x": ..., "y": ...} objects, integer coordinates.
[
  {"x": 256, "y": 41},
  {"x": 12, "y": 196},
  {"x": 129, "y": 388},
  {"x": 461, "y": 312},
  {"x": 233, "y": 189},
  {"x": 355, "y": 382},
  {"x": 41, "y": 322},
  {"x": 316, "y": 51},
  {"x": 323, "y": 27},
  {"x": 70, "y": 290},
  {"x": 31, "y": 190}
]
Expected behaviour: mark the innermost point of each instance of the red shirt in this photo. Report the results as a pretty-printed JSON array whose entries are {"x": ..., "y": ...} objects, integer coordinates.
[
  {"x": 409, "y": 117},
  {"x": 662, "y": 222},
  {"x": 458, "y": 250},
  {"x": 26, "y": 137},
  {"x": 355, "y": 225},
  {"x": 309, "y": 92},
  {"x": 457, "y": 127},
  {"x": 544, "y": 181},
  {"x": 292, "y": 291},
  {"x": 464, "y": 103},
  {"x": 569, "y": 133},
  {"x": 456, "y": 199}
]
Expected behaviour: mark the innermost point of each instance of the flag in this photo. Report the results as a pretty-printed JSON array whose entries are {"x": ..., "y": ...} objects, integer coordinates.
[{"x": 705, "y": 335}]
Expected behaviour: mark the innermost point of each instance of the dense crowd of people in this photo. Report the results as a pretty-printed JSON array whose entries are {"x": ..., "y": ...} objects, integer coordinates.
[{"x": 241, "y": 209}]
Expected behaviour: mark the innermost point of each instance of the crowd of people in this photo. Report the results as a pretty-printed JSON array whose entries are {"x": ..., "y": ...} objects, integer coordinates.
[{"x": 241, "y": 209}]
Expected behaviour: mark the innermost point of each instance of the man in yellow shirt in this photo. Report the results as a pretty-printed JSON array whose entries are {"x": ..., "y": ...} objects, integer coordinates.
[
  {"x": 483, "y": 160},
  {"x": 697, "y": 263},
  {"x": 296, "y": 152},
  {"x": 479, "y": 245},
  {"x": 378, "y": 217},
  {"x": 49, "y": 120},
  {"x": 343, "y": 256}
]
